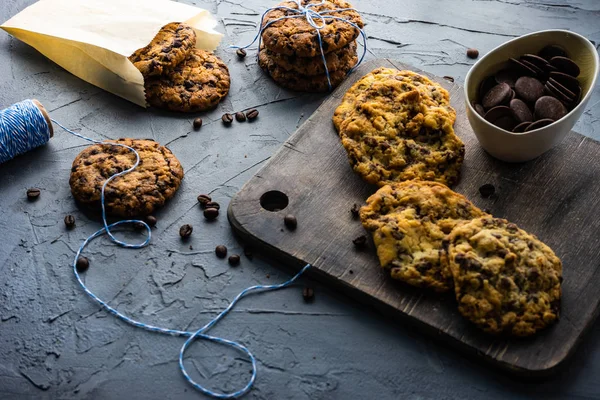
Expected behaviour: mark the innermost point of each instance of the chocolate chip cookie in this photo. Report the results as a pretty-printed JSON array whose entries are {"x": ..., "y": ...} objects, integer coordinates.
[
  {"x": 295, "y": 36},
  {"x": 199, "y": 83},
  {"x": 409, "y": 221},
  {"x": 170, "y": 46},
  {"x": 302, "y": 83},
  {"x": 398, "y": 125},
  {"x": 138, "y": 193},
  {"x": 506, "y": 280},
  {"x": 311, "y": 66}
]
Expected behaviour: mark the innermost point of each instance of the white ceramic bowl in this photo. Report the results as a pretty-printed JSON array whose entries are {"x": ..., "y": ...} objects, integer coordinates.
[{"x": 519, "y": 147}]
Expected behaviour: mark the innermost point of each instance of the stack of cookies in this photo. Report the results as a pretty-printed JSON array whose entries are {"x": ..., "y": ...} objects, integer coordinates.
[
  {"x": 290, "y": 52},
  {"x": 177, "y": 75}
]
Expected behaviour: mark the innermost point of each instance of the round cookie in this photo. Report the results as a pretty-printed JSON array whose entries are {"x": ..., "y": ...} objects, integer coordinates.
[
  {"x": 311, "y": 66},
  {"x": 197, "y": 84},
  {"x": 295, "y": 36},
  {"x": 301, "y": 83},
  {"x": 138, "y": 193},
  {"x": 170, "y": 46},
  {"x": 506, "y": 280},
  {"x": 409, "y": 222},
  {"x": 398, "y": 125}
]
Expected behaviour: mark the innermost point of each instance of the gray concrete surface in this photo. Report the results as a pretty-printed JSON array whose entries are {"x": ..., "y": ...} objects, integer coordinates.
[{"x": 55, "y": 343}]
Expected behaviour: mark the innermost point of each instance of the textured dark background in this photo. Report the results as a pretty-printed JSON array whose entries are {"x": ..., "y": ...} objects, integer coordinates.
[{"x": 56, "y": 343}]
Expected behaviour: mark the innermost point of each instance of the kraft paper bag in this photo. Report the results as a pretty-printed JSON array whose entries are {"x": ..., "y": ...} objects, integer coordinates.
[{"x": 93, "y": 38}]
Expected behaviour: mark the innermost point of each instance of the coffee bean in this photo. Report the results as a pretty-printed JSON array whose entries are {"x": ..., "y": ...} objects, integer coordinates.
[
  {"x": 234, "y": 260},
  {"x": 498, "y": 95},
  {"x": 539, "y": 124},
  {"x": 551, "y": 51},
  {"x": 139, "y": 226},
  {"x": 221, "y": 251},
  {"x": 204, "y": 199},
  {"x": 227, "y": 118},
  {"x": 252, "y": 114},
  {"x": 549, "y": 108},
  {"x": 355, "y": 210},
  {"x": 508, "y": 76},
  {"x": 213, "y": 204},
  {"x": 197, "y": 123},
  {"x": 566, "y": 65},
  {"x": 33, "y": 193},
  {"x": 151, "y": 220},
  {"x": 185, "y": 231},
  {"x": 248, "y": 253},
  {"x": 82, "y": 264},
  {"x": 211, "y": 214},
  {"x": 241, "y": 53},
  {"x": 529, "y": 89},
  {"x": 290, "y": 222},
  {"x": 520, "y": 111},
  {"x": 308, "y": 294},
  {"x": 449, "y": 78},
  {"x": 472, "y": 53},
  {"x": 487, "y": 190},
  {"x": 240, "y": 116},
  {"x": 521, "y": 127},
  {"x": 360, "y": 242},
  {"x": 70, "y": 221}
]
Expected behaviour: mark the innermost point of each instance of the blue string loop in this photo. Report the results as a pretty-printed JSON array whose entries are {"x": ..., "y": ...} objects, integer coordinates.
[
  {"x": 311, "y": 16},
  {"x": 22, "y": 128}
]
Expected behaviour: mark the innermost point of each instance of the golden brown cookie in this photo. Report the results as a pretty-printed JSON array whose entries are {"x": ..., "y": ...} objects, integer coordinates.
[
  {"x": 301, "y": 83},
  {"x": 506, "y": 280},
  {"x": 311, "y": 66},
  {"x": 170, "y": 46},
  {"x": 398, "y": 125},
  {"x": 295, "y": 36},
  {"x": 409, "y": 221},
  {"x": 197, "y": 84},
  {"x": 138, "y": 193}
]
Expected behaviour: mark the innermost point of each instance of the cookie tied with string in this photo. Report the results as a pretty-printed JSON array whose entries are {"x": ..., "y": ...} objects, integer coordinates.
[{"x": 288, "y": 32}]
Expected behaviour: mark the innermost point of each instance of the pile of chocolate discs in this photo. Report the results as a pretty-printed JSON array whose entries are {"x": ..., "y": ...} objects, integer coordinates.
[{"x": 531, "y": 92}]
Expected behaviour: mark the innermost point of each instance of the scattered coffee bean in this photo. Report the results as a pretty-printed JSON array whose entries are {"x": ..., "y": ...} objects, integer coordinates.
[
  {"x": 227, "y": 118},
  {"x": 487, "y": 190},
  {"x": 185, "y": 231},
  {"x": 82, "y": 264},
  {"x": 355, "y": 210},
  {"x": 139, "y": 226},
  {"x": 290, "y": 222},
  {"x": 234, "y": 260},
  {"x": 248, "y": 253},
  {"x": 197, "y": 124},
  {"x": 221, "y": 251},
  {"x": 151, "y": 220},
  {"x": 33, "y": 193},
  {"x": 70, "y": 221},
  {"x": 241, "y": 53},
  {"x": 308, "y": 294},
  {"x": 472, "y": 53},
  {"x": 252, "y": 114},
  {"x": 204, "y": 199},
  {"x": 213, "y": 204},
  {"x": 240, "y": 116},
  {"x": 360, "y": 242},
  {"x": 211, "y": 214},
  {"x": 449, "y": 78}
]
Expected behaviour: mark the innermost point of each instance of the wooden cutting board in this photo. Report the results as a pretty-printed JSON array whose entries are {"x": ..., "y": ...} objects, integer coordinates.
[{"x": 555, "y": 196}]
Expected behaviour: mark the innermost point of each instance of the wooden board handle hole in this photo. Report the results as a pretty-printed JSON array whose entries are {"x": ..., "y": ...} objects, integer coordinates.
[{"x": 274, "y": 200}]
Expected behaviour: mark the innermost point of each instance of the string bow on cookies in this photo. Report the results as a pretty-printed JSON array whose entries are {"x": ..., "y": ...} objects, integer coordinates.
[{"x": 317, "y": 19}]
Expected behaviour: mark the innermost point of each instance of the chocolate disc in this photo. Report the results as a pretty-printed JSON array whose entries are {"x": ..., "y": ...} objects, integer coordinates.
[
  {"x": 535, "y": 60},
  {"x": 507, "y": 123},
  {"x": 562, "y": 88},
  {"x": 538, "y": 71},
  {"x": 549, "y": 108},
  {"x": 508, "y": 76},
  {"x": 565, "y": 65},
  {"x": 529, "y": 89},
  {"x": 538, "y": 124},
  {"x": 486, "y": 85},
  {"x": 499, "y": 94},
  {"x": 566, "y": 80},
  {"x": 524, "y": 69},
  {"x": 521, "y": 127},
  {"x": 551, "y": 51},
  {"x": 550, "y": 88},
  {"x": 520, "y": 111},
  {"x": 496, "y": 113}
]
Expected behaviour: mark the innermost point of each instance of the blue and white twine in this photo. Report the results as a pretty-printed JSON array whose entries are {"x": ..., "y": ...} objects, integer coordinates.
[
  {"x": 311, "y": 17},
  {"x": 22, "y": 128}
]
